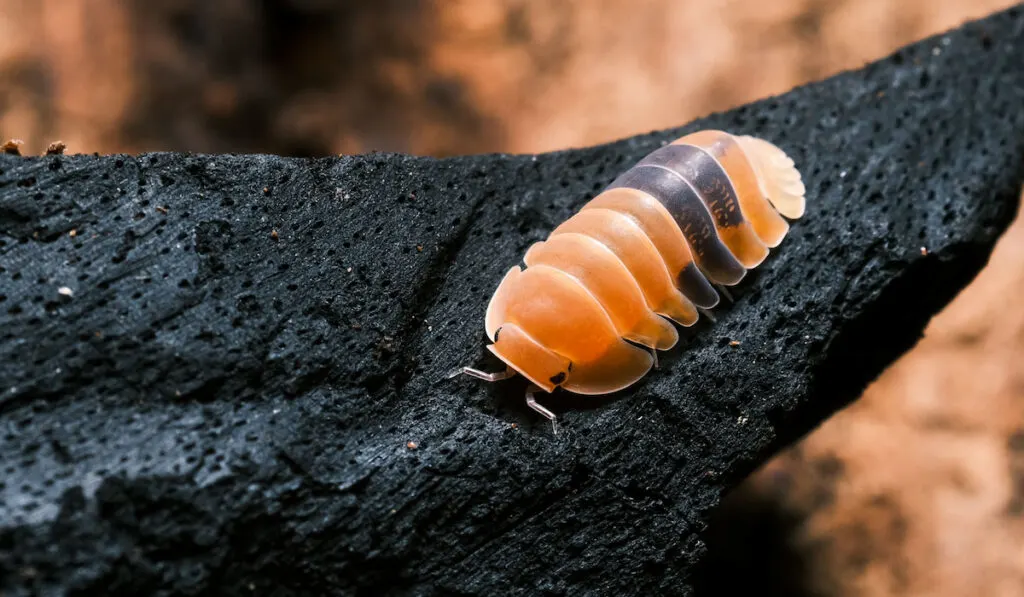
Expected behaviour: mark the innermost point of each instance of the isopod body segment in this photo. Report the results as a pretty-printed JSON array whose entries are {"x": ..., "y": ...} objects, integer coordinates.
[{"x": 692, "y": 215}]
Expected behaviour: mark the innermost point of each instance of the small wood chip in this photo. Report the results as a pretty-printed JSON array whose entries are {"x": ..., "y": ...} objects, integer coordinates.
[
  {"x": 924, "y": 250},
  {"x": 161, "y": 209},
  {"x": 274, "y": 235},
  {"x": 12, "y": 147},
  {"x": 411, "y": 445},
  {"x": 56, "y": 148},
  {"x": 734, "y": 343},
  {"x": 65, "y": 291}
]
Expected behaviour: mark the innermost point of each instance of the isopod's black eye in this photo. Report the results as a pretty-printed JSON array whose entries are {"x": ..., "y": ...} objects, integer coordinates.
[
  {"x": 570, "y": 366},
  {"x": 496, "y": 333},
  {"x": 557, "y": 379}
]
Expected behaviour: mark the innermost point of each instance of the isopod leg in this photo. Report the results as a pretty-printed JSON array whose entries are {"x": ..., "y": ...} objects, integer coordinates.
[
  {"x": 491, "y": 377},
  {"x": 531, "y": 401},
  {"x": 725, "y": 293},
  {"x": 654, "y": 355},
  {"x": 708, "y": 314}
]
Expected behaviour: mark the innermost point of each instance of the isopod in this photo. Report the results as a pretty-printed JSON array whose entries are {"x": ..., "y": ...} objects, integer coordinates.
[{"x": 594, "y": 303}]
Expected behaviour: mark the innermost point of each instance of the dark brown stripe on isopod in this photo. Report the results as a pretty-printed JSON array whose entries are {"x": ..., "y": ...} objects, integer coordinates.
[
  {"x": 690, "y": 214},
  {"x": 694, "y": 286},
  {"x": 706, "y": 175}
]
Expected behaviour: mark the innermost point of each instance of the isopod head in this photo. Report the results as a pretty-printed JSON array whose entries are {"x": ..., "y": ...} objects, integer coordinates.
[{"x": 546, "y": 326}]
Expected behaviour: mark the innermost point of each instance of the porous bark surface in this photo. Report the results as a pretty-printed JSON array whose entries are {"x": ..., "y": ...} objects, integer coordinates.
[{"x": 226, "y": 375}]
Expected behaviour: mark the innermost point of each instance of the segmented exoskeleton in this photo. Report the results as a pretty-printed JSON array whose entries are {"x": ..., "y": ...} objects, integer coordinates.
[{"x": 689, "y": 217}]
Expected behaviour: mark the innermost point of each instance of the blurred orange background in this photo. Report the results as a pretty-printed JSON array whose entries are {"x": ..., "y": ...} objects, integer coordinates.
[{"x": 917, "y": 489}]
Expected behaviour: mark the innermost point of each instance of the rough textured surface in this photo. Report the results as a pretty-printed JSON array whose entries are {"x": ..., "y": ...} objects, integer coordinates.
[{"x": 224, "y": 404}]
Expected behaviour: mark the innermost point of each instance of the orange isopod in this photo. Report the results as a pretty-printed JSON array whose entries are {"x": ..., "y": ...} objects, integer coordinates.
[{"x": 690, "y": 217}]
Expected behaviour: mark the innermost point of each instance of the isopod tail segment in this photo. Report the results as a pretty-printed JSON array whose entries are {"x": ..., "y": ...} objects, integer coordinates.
[{"x": 597, "y": 297}]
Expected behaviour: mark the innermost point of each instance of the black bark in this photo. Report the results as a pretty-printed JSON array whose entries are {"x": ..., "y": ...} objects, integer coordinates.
[{"x": 245, "y": 391}]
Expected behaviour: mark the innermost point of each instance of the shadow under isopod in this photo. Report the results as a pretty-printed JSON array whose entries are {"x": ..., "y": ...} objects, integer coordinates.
[{"x": 509, "y": 401}]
